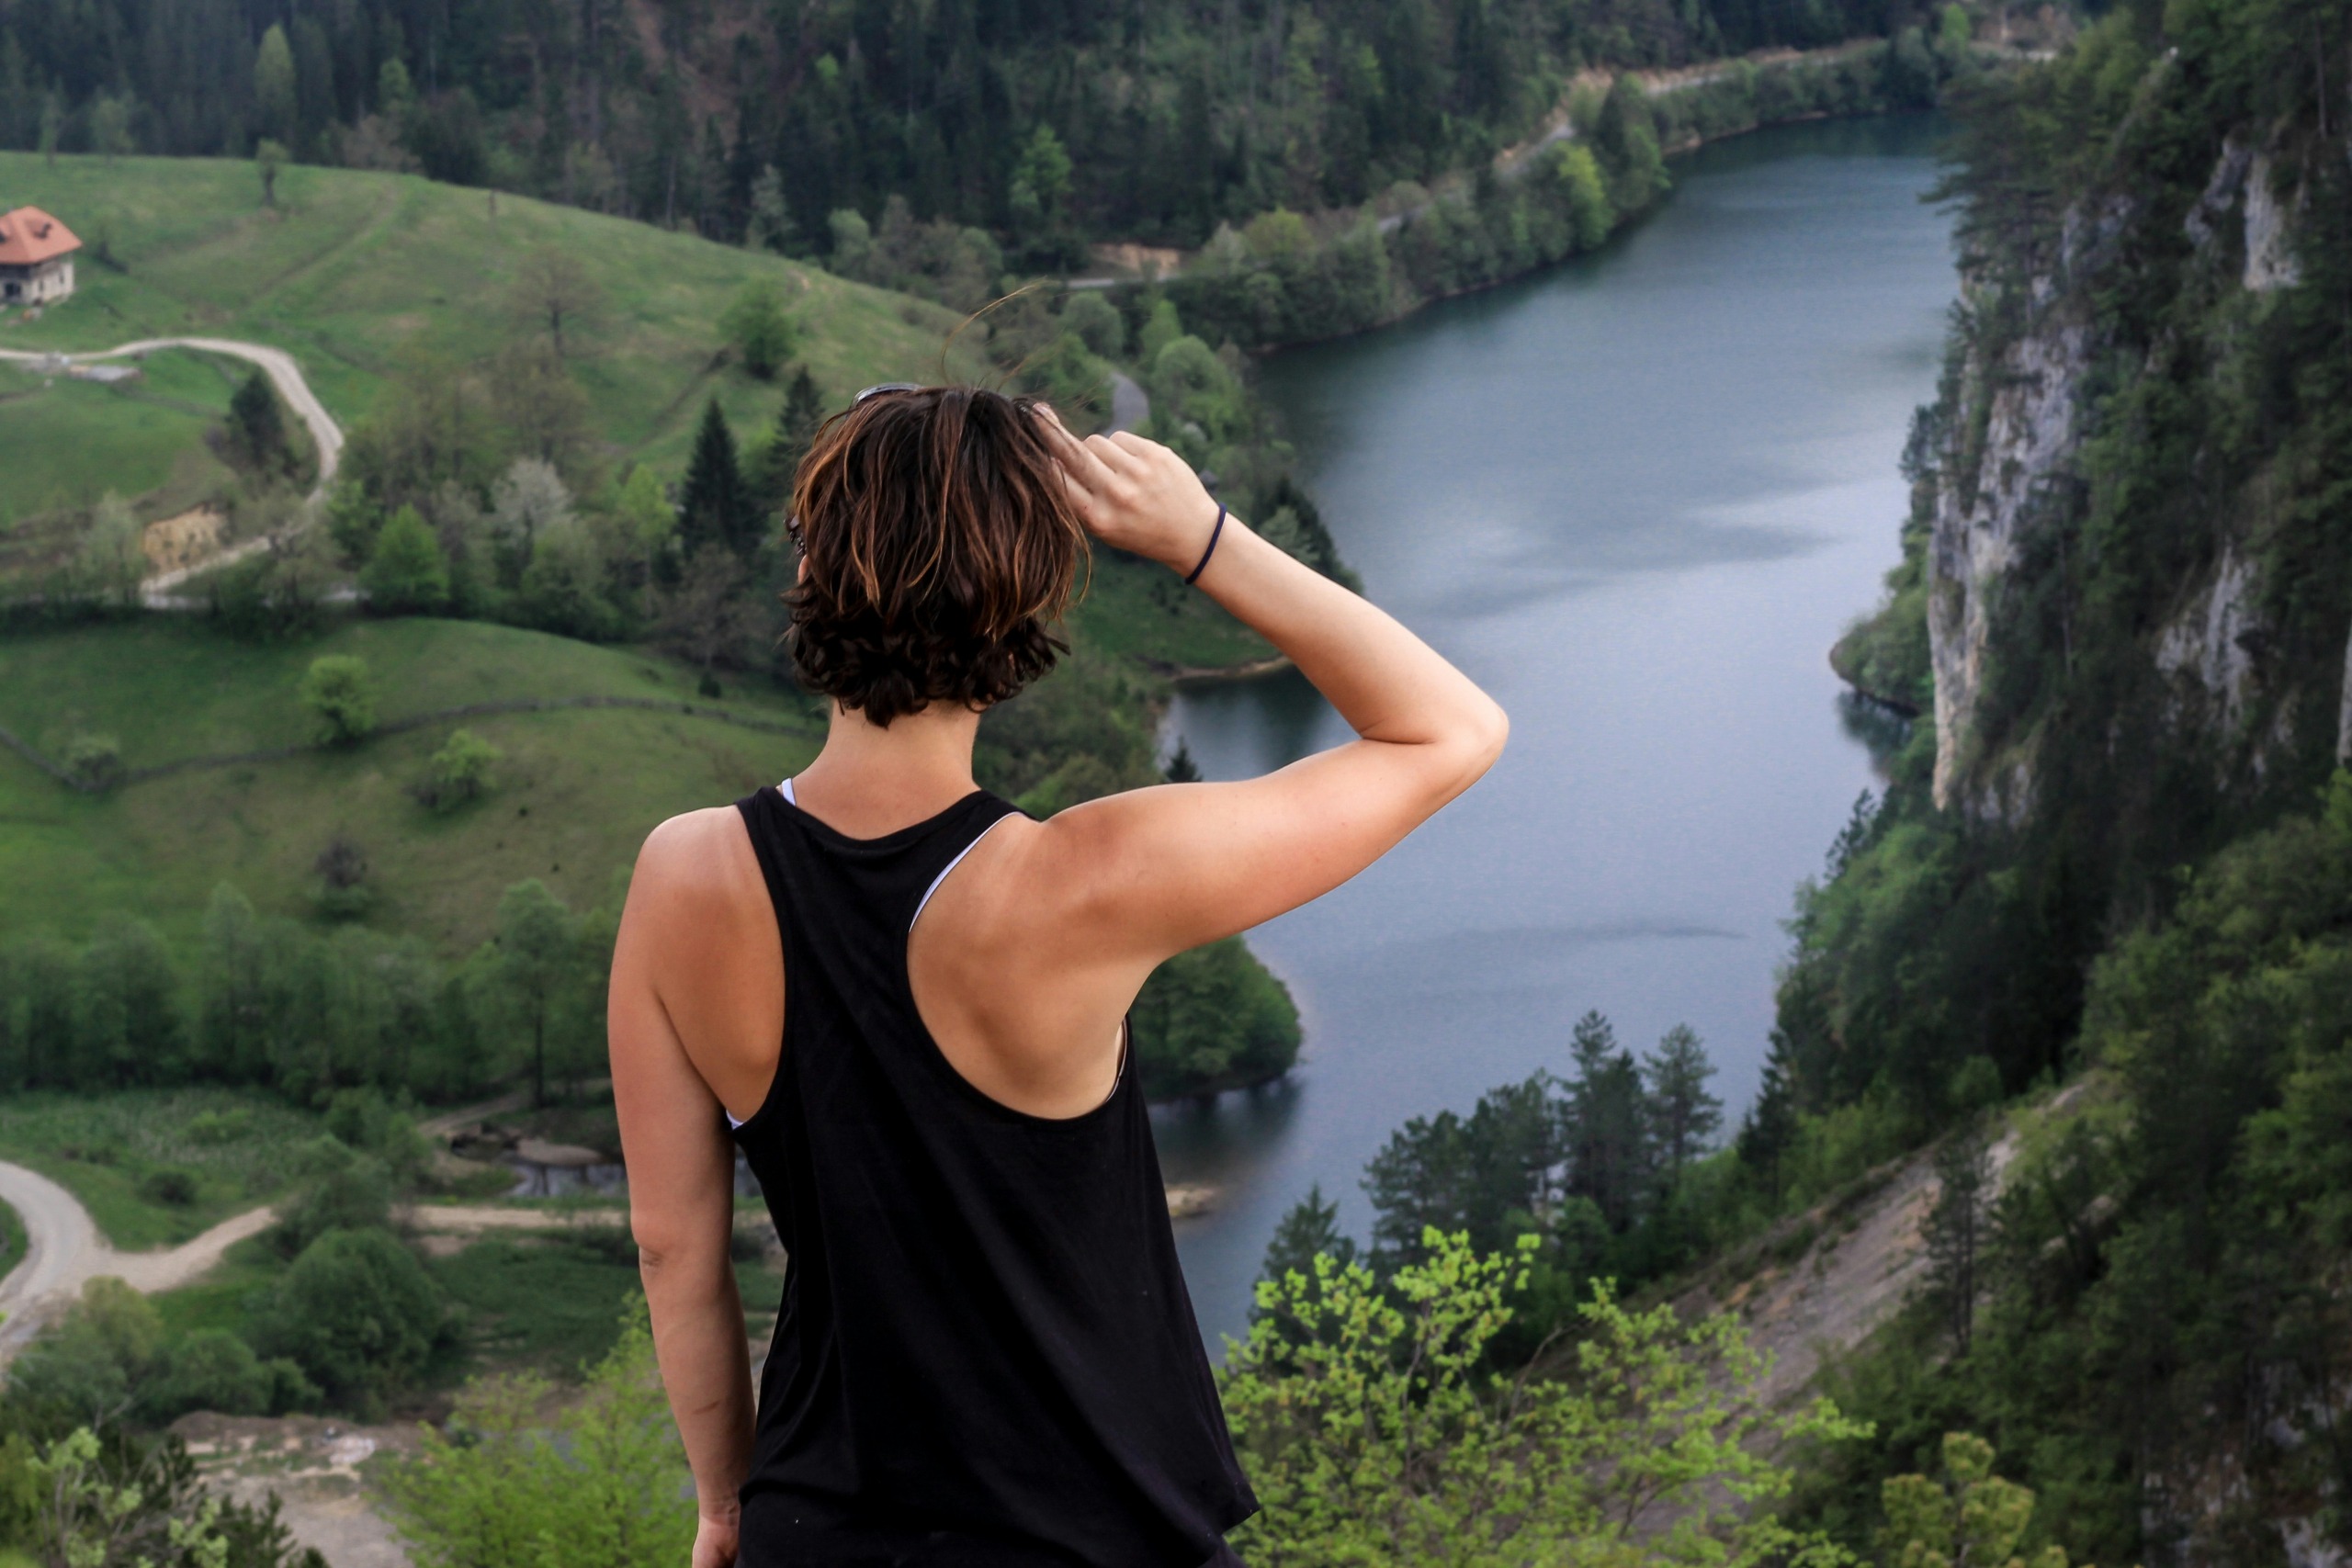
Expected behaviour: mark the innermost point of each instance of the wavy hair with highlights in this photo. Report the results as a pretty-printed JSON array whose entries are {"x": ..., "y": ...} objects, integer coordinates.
[{"x": 939, "y": 551}]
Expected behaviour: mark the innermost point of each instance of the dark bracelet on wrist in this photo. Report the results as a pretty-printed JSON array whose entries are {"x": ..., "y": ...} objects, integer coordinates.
[{"x": 1214, "y": 534}]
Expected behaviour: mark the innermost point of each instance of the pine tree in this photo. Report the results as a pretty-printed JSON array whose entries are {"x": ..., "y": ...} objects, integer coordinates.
[
  {"x": 1956, "y": 1229},
  {"x": 1181, "y": 767},
  {"x": 795, "y": 430},
  {"x": 1607, "y": 1139},
  {"x": 716, "y": 507},
  {"x": 1682, "y": 1114},
  {"x": 1770, "y": 1124},
  {"x": 257, "y": 425}
]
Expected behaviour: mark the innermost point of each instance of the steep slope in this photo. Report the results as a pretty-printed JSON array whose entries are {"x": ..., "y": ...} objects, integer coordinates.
[{"x": 2124, "y": 606}]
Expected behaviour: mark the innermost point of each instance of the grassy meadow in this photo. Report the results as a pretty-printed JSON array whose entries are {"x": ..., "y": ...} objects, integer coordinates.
[
  {"x": 103, "y": 1149},
  {"x": 573, "y": 796},
  {"x": 63, "y": 442},
  {"x": 354, "y": 271}
]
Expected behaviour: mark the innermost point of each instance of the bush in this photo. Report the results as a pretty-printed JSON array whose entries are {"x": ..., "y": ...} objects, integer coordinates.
[
  {"x": 173, "y": 1186},
  {"x": 211, "y": 1369},
  {"x": 1373, "y": 1433},
  {"x": 94, "y": 761},
  {"x": 352, "y": 1193},
  {"x": 341, "y": 694},
  {"x": 357, "y": 1314},
  {"x": 458, "y": 772},
  {"x": 601, "y": 1484},
  {"x": 757, "y": 324}
]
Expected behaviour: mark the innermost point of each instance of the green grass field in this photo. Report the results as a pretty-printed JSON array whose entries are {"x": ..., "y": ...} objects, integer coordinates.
[
  {"x": 357, "y": 269},
  {"x": 222, "y": 1298},
  {"x": 64, "y": 443},
  {"x": 574, "y": 796},
  {"x": 101, "y": 1148}
]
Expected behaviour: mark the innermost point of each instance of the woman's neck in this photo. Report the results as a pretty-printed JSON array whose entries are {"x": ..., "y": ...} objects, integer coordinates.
[{"x": 871, "y": 780}]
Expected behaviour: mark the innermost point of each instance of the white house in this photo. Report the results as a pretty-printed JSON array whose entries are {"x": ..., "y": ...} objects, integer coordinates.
[{"x": 36, "y": 257}]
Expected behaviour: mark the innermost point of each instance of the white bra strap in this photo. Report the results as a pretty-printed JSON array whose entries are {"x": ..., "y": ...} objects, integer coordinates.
[
  {"x": 785, "y": 789},
  {"x": 952, "y": 864}
]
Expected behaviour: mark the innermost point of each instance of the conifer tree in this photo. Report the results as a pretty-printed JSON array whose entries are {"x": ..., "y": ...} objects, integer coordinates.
[
  {"x": 1682, "y": 1115},
  {"x": 717, "y": 508},
  {"x": 1956, "y": 1230}
]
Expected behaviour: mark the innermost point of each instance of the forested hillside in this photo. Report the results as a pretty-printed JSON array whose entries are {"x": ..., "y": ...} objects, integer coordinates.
[
  {"x": 2111, "y": 846},
  {"x": 1049, "y": 125}
]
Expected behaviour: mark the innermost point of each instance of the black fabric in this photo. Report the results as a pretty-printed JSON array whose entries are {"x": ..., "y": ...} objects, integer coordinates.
[{"x": 985, "y": 1356}]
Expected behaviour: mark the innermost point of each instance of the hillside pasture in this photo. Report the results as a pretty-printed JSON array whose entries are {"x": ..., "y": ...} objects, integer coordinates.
[
  {"x": 355, "y": 271},
  {"x": 574, "y": 794}
]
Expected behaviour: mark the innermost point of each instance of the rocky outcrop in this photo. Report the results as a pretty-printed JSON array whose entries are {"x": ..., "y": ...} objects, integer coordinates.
[
  {"x": 2208, "y": 649},
  {"x": 1981, "y": 522},
  {"x": 2026, "y": 398}
]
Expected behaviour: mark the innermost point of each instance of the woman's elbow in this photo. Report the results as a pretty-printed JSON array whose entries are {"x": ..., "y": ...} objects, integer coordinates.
[{"x": 1484, "y": 730}]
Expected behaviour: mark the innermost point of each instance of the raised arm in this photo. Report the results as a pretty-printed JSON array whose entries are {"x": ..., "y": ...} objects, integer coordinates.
[{"x": 1162, "y": 870}]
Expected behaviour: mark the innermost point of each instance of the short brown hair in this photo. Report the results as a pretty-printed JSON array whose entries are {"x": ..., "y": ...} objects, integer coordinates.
[{"x": 941, "y": 548}]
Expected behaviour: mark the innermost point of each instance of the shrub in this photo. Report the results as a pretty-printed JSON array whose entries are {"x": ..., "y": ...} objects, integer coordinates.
[
  {"x": 341, "y": 891},
  {"x": 1373, "y": 1433},
  {"x": 757, "y": 324},
  {"x": 352, "y": 1193},
  {"x": 600, "y": 1484},
  {"x": 357, "y": 1314},
  {"x": 94, "y": 761},
  {"x": 341, "y": 695},
  {"x": 458, "y": 772},
  {"x": 173, "y": 1186}
]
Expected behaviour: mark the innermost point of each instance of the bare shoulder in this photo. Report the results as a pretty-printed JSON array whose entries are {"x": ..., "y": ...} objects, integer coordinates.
[{"x": 698, "y": 863}]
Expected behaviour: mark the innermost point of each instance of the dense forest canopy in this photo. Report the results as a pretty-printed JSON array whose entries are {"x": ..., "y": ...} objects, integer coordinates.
[{"x": 1051, "y": 123}]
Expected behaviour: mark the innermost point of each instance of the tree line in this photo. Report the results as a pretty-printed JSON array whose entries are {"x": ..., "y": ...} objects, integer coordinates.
[
  {"x": 1046, "y": 126},
  {"x": 1283, "y": 278}
]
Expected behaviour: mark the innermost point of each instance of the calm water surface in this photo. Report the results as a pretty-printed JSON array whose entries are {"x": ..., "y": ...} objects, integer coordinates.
[{"x": 1635, "y": 498}]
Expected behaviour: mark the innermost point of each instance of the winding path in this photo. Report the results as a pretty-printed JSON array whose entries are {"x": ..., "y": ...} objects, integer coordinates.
[
  {"x": 63, "y": 1251},
  {"x": 283, "y": 373}
]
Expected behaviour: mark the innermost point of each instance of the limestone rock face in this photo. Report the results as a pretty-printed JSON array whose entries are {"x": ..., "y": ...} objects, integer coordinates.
[
  {"x": 2031, "y": 438},
  {"x": 2027, "y": 398}
]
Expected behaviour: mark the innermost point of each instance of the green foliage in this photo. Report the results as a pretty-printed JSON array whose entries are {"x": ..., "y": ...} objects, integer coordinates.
[
  {"x": 102, "y": 1147},
  {"x": 340, "y": 692},
  {"x": 716, "y": 507},
  {"x": 599, "y": 1485},
  {"x": 347, "y": 1191},
  {"x": 110, "y": 561},
  {"x": 1097, "y": 322},
  {"x": 1970, "y": 1516},
  {"x": 459, "y": 772},
  {"x": 538, "y": 955},
  {"x": 760, "y": 329},
  {"x": 406, "y": 572},
  {"x": 357, "y": 1314},
  {"x": 1373, "y": 1431},
  {"x": 1600, "y": 1174},
  {"x": 257, "y": 425},
  {"x": 88, "y": 1367},
  {"x": 1213, "y": 1018}
]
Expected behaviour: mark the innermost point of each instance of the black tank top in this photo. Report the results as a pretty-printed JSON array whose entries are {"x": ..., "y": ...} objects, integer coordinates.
[{"x": 984, "y": 1354}]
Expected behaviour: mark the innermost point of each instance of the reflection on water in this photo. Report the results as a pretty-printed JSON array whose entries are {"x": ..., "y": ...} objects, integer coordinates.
[{"x": 1636, "y": 498}]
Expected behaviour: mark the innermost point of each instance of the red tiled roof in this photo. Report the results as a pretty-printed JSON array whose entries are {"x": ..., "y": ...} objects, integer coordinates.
[{"x": 28, "y": 236}]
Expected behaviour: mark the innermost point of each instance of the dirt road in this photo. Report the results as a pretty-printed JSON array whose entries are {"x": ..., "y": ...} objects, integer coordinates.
[
  {"x": 64, "y": 1250},
  {"x": 284, "y": 374}
]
